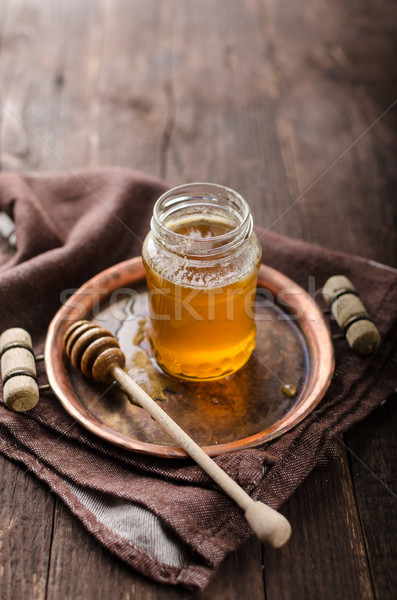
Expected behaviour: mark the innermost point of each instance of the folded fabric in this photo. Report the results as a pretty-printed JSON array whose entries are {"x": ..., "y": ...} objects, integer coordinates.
[{"x": 164, "y": 517}]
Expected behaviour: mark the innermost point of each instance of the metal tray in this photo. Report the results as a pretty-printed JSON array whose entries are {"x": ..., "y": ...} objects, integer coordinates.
[{"x": 244, "y": 410}]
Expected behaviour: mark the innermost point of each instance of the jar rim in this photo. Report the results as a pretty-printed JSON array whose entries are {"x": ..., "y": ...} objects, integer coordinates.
[{"x": 200, "y": 195}]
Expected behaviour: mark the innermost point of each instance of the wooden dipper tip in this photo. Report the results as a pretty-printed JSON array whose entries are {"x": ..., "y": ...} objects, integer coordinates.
[
  {"x": 351, "y": 315},
  {"x": 270, "y": 526},
  {"x": 18, "y": 370},
  {"x": 93, "y": 350}
]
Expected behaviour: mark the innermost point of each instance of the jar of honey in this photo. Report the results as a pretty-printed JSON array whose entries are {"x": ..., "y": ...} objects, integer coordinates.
[{"x": 201, "y": 259}]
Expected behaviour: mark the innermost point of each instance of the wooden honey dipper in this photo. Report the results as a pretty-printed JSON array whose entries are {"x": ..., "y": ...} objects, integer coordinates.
[{"x": 96, "y": 352}]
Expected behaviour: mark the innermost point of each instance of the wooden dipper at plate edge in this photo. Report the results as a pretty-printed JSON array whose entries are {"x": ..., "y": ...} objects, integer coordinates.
[{"x": 96, "y": 352}]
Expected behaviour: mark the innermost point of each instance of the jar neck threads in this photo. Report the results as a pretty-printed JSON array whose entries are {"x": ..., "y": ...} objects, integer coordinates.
[{"x": 216, "y": 205}]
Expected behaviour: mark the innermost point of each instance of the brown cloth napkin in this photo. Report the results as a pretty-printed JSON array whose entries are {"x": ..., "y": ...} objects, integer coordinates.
[{"x": 163, "y": 517}]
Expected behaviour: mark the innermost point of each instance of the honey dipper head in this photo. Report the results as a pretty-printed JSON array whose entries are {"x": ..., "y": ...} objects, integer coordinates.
[{"x": 93, "y": 350}]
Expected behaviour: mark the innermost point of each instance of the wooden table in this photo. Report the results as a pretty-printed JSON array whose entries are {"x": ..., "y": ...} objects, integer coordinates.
[{"x": 288, "y": 102}]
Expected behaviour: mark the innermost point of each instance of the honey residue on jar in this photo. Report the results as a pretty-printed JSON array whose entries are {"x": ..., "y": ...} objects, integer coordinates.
[{"x": 201, "y": 311}]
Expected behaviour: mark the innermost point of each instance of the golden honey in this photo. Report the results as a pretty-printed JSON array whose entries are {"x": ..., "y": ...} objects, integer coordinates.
[{"x": 201, "y": 260}]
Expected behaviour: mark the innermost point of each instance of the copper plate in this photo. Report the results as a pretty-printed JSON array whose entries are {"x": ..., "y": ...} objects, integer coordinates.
[{"x": 244, "y": 410}]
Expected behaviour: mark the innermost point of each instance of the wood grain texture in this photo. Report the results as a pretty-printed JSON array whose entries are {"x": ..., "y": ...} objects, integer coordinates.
[
  {"x": 339, "y": 142},
  {"x": 282, "y": 100},
  {"x": 326, "y": 557},
  {"x": 372, "y": 462},
  {"x": 26, "y": 512}
]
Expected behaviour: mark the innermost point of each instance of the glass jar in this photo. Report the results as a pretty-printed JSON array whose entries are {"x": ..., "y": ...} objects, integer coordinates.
[{"x": 201, "y": 259}]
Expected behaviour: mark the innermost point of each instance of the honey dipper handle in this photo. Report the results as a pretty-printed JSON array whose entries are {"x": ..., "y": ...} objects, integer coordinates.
[{"x": 269, "y": 525}]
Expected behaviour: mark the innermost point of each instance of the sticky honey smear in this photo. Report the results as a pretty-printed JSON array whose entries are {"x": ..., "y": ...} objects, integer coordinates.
[{"x": 144, "y": 369}]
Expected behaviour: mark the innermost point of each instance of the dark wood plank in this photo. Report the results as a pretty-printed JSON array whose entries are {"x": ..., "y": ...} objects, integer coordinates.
[
  {"x": 32, "y": 42},
  {"x": 75, "y": 76},
  {"x": 226, "y": 123},
  {"x": 131, "y": 97},
  {"x": 240, "y": 576},
  {"x": 342, "y": 174},
  {"x": 373, "y": 461},
  {"x": 26, "y": 512},
  {"x": 326, "y": 557}
]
